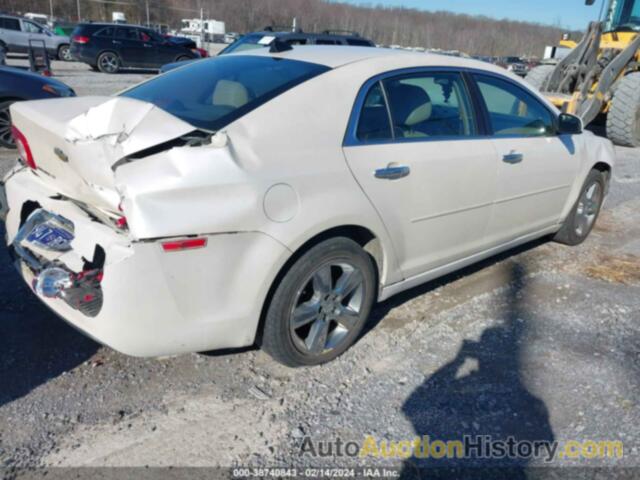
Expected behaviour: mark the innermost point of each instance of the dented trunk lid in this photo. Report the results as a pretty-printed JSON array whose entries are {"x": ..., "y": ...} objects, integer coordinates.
[{"x": 76, "y": 142}]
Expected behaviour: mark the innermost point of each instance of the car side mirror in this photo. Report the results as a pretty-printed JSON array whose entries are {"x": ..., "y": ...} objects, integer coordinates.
[{"x": 569, "y": 124}]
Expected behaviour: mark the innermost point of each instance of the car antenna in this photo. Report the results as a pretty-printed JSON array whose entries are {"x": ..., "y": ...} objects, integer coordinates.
[{"x": 278, "y": 46}]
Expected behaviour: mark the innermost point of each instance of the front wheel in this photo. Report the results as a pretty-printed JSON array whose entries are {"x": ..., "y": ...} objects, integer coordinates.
[
  {"x": 321, "y": 304},
  {"x": 108, "y": 62},
  {"x": 585, "y": 212}
]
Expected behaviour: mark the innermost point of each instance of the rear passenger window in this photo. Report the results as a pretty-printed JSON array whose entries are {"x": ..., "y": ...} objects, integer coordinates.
[
  {"x": 105, "y": 32},
  {"x": 374, "y": 118},
  {"x": 429, "y": 105},
  {"x": 514, "y": 112},
  {"x": 322, "y": 41},
  {"x": 10, "y": 23},
  {"x": 127, "y": 34}
]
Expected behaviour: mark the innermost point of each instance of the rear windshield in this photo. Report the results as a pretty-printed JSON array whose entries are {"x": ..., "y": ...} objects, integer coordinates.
[{"x": 210, "y": 94}]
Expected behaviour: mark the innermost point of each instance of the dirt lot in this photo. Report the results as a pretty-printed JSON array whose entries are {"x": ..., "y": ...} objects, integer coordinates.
[{"x": 541, "y": 343}]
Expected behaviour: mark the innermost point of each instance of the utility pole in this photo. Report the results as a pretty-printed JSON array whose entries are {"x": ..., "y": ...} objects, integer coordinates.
[
  {"x": 78, "y": 5},
  {"x": 51, "y": 9},
  {"x": 201, "y": 27},
  {"x": 148, "y": 22}
]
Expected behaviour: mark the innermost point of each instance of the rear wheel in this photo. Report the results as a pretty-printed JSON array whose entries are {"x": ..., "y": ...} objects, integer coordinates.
[
  {"x": 64, "y": 53},
  {"x": 321, "y": 304},
  {"x": 585, "y": 212},
  {"x": 6, "y": 140},
  {"x": 183, "y": 58},
  {"x": 109, "y": 62},
  {"x": 539, "y": 75},
  {"x": 623, "y": 119}
]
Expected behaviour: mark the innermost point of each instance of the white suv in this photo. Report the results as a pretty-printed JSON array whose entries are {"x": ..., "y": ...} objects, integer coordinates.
[{"x": 17, "y": 32}]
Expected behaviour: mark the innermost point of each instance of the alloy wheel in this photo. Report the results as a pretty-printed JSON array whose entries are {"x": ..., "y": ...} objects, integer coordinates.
[
  {"x": 65, "y": 54},
  {"x": 109, "y": 63},
  {"x": 327, "y": 308},
  {"x": 6, "y": 139},
  {"x": 588, "y": 207}
]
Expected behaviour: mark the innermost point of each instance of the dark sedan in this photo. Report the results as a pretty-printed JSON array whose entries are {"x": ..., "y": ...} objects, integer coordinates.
[
  {"x": 109, "y": 47},
  {"x": 17, "y": 84}
]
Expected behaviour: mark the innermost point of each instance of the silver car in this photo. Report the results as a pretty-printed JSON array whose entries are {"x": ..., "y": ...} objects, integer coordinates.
[{"x": 16, "y": 33}]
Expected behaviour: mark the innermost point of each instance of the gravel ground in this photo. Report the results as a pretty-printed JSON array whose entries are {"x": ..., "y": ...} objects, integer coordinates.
[{"x": 540, "y": 343}]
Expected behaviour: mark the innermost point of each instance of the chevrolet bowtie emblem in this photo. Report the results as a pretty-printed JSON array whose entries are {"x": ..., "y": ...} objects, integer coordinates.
[{"x": 61, "y": 155}]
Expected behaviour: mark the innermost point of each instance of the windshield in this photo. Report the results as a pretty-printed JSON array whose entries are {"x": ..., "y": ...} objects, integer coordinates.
[
  {"x": 249, "y": 42},
  {"x": 623, "y": 15},
  {"x": 210, "y": 94}
]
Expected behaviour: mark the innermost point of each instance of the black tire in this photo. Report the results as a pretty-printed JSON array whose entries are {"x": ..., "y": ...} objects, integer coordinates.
[
  {"x": 183, "y": 58},
  {"x": 539, "y": 75},
  {"x": 6, "y": 140},
  {"x": 94, "y": 68},
  {"x": 64, "y": 53},
  {"x": 302, "y": 289},
  {"x": 623, "y": 119},
  {"x": 570, "y": 233},
  {"x": 109, "y": 62}
]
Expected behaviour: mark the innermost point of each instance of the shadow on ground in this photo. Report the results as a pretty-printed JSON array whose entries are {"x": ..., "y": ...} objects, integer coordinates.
[
  {"x": 480, "y": 393},
  {"x": 381, "y": 310},
  {"x": 36, "y": 345}
]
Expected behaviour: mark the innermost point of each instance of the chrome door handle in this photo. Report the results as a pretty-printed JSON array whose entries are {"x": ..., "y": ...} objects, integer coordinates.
[
  {"x": 513, "y": 158},
  {"x": 116, "y": 42},
  {"x": 393, "y": 172},
  {"x": 146, "y": 45}
]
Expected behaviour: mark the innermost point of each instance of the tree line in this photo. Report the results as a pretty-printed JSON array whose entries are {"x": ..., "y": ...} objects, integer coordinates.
[{"x": 385, "y": 25}]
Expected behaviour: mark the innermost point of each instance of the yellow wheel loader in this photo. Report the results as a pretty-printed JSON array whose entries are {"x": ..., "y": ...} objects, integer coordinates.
[{"x": 601, "y": 74}]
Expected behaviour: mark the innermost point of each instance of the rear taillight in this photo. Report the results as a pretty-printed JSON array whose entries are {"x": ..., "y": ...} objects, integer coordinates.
[
  {"x": 24, "y": 151},
  {"x": 121, "y": 223},
  {"x": 80, "y": 39},
  {"x": 188, "y": 244}
]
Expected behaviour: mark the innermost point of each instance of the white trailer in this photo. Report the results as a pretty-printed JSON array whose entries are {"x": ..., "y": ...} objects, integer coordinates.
[{"x": 212, "y": 30}]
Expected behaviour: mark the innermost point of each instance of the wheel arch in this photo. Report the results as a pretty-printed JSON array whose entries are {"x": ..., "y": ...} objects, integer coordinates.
[
  {"x": 363, "y": 236},
  {"x": 601, "y": 166},
  {"x": 604, "y": 168}
]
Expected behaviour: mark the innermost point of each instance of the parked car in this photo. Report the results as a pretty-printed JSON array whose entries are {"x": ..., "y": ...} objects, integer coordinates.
[
  {"x": 280, "y": 195},
  {"x": 264, "y": 39},
  {"x": 16, "y": 32},
  {"x": 16, "y": 85},
  {"x": 61, "y": 27},
  {"x": 515, "y": 65},
  {"x": 111, "y": 47},
  {"x": 187, "y": 42}
]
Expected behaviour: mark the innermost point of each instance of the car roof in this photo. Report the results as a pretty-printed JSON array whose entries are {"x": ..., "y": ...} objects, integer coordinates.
[
  {"x": 299, "y": 34},
  {"x": 334, "y": 56}
]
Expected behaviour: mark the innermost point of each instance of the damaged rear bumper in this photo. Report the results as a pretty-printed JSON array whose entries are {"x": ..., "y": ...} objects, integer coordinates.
[{"x": 134, "y": 296}]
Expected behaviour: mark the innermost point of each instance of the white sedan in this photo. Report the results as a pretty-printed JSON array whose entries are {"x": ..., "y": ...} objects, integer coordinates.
[{"x": 272, "y": 197}]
